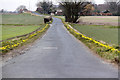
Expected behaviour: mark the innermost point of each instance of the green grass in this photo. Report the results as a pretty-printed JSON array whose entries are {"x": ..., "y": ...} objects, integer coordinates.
[
  {"x": 21, "y": 19},
  {"x": 108, "y": 34},
  {"x": 12, "y": 31},
  {"x": 102, "y": 51},
  {"x": 19, "y": 24},
  {"x": 102, "y": 33}
]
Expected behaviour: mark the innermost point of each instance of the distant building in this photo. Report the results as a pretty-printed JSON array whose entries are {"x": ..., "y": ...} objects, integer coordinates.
[
  {"x": 59, "y": 12},
  {"x": 101, "y": 10},
  {"x": 52, "y": 14}
]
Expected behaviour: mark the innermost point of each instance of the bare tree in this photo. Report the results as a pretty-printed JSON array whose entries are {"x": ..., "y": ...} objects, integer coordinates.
[
  {"x": 113, "y": 5},
  {"x": 45, "y": 5},
  {"x": 72, "y": 8}
]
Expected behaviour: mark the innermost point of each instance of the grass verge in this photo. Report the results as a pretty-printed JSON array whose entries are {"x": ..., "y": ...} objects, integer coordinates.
[
  {"x": 110, "y": 53},
  {"x": 9, "y": 31},
  {"x": 106, "y": 34},
  {"x": 18, "y": 42}
]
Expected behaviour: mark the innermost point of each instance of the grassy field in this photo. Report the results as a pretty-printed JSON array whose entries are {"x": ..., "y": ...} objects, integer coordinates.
[
  {"x": 21, "y": 19},
  {"x": 19, "y": 24},
  {"x": 107, "y": 20},
  {"x": 102, "y": 33},
  {"x": 98, "y": 20},
  {"x": 99, "y": 32},
  {"x": 12, "y": 31}
]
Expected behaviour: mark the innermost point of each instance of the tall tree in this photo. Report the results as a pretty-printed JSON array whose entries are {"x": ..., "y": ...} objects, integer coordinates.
[
  {"x": 72, "y": 8},
  {"x": 46, "y": 6},
  {"x": 113, "y": 5},
  {"x": 88, "y": 9},
  {"x": 2, "y": 11},
  {"x": 21, "y": 8}
]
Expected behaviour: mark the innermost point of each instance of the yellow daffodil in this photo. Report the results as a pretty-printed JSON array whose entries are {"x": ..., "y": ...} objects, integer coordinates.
[
  {"x": 99, "y": 43},
  {"x": 15, "y": 45}
]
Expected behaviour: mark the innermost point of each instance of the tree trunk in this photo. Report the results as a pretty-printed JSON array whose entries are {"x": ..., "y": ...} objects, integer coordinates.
[{"x": 71, "y": 10}]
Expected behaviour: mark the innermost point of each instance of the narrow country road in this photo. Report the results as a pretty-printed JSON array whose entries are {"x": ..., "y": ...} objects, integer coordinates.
[{"x": 58, "y": 55}]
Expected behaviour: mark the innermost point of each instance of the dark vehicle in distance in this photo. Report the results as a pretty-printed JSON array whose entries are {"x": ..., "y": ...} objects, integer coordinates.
[{"x": 47, "y": 19}]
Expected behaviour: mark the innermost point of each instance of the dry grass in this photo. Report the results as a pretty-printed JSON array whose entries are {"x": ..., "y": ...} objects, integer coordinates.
[{"x": 100, "y": 20}]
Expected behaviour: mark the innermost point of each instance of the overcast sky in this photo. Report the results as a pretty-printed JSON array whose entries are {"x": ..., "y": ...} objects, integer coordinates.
[{"x": 11, "y": 5}]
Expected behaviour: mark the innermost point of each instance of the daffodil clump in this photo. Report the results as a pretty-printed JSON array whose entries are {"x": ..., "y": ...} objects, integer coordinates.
[
  {"x": 9, "y": 45},
  {"x": 88, "y": 38},
  {"x": 104, "y": 50}
]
